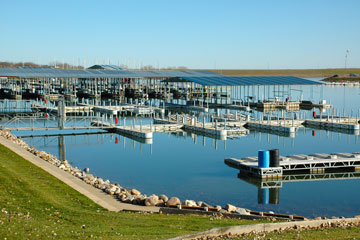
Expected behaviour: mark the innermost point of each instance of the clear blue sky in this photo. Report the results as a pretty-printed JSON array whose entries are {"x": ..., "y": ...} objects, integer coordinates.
[{"x": 193, "y": 33}]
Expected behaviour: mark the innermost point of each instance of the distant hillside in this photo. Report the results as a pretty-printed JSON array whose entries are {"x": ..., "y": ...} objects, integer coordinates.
[{"x": 289, "y": 72}]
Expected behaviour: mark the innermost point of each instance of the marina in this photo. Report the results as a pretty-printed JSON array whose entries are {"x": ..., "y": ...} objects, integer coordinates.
[{"x": 159, "y": 129}]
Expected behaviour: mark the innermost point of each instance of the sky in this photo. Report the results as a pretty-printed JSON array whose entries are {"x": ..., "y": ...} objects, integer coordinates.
[{"x": 198, "y": 34}]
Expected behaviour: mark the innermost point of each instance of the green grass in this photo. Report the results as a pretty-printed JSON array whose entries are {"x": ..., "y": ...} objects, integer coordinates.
[
  {"x": 289, "y": 72},
  {"x": 36, "y": 205}
]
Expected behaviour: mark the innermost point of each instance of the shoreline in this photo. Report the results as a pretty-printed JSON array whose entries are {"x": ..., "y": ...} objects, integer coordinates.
[
  {"x": 43, "y": 161},
  {"x": 114, "y": 197}
]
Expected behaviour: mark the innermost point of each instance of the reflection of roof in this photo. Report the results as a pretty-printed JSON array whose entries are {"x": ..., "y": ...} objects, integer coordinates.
[
  {"x": 222, "y": 80},
  {"x": 106, "y": 67}
]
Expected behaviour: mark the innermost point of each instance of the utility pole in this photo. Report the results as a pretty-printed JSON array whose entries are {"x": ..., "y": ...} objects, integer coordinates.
[{"x": 346, "y": 56}]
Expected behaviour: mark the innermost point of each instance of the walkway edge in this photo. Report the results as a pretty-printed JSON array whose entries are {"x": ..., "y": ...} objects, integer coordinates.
[
  {"x": 96, "y": 195},
  {"x": 263, "y": 227}
]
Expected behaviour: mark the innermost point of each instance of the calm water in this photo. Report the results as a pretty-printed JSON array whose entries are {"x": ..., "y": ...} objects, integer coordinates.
[{"x": 192, "y": 167}]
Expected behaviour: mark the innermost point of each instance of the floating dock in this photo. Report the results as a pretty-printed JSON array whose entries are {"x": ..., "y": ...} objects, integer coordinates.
[
  {"x": 210, "y": 128},
  {"x": 140, "y": 131},
  {"x": 287, "y": 126},
  {"x": 334, "y": 123},
  {"x": 314, "y": 163}
]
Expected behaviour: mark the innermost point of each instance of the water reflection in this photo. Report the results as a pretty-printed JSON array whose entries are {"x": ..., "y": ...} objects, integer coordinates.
[{"x": 269, "y": 189}]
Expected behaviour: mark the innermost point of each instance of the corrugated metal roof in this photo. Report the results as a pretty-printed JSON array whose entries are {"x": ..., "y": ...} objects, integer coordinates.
[
  {"x": 242, "y": 81},
  {"x": 205, "y": 78},
  {"x": 93, "y": 73}
]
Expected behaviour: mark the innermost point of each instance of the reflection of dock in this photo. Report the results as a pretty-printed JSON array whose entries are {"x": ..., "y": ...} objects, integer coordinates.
[
  {"x": 277, "y": 133},
  {"x": 269, "y": 189},
  {"x": 338, "y": 130},
  {"x": 300, "y": 177},
  {"x": 314, "y": 163}
]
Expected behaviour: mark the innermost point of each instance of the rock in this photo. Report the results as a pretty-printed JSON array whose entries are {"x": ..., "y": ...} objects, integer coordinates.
[
  {"x": 160, "y": 203},
  {"x": 140, "y": 200},
  {"x": 242, "y": 211},
  {"x": 100, "y": 181},
  {"x": 62, "y": 166},
  {"x": 135, "y": 192},
  {"x": 163, "y": 197},
  {"x": 122, "y": 197},
  {"x": 218, "y": 208},
  {"x": 152, "y": 200},
  {"x": 190, "y": 203},
  {"x": 230, "y": 208},
  {"x": 173, "y": 201},
  {"x": 90, "y": 177},
  {"x": 86, "y": 170},
  {"x": 204, "y": 204},
  {"x": 129, "y": 199},
  {"x": 223, "y": 211},
  {"x": 317, "y": 218}
]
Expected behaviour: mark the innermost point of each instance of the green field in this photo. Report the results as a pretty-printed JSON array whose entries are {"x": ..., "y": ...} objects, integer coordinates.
[{"x": 289, "y": 72}]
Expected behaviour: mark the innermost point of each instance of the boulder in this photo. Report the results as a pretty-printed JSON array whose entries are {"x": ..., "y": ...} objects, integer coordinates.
[
  {"x": 86, "y": 170},
  {"x": 100, "y": 181},
  {"x": 135, "y": 192},
  {"x": 230, "y": 208},
  {"x": 173, "y": 201},
  {"x": 190, "y": 203},
  {"x": 160, "y": 203},
  {"x": 204, "y": 204},
  {"x": 90, "y": 177},
  {"x": 218, "y": 208},
  {"x": 122, "y": 197},
  {"x": 163, "y": 197},
  {"x": 242, "y": 211},
  {"x": 152, "y": 200}
]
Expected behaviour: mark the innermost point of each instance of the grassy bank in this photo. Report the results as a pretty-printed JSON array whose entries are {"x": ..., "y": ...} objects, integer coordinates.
[
  {"x": 35, "y": 205},
  {"x": 289, "y": 72}
]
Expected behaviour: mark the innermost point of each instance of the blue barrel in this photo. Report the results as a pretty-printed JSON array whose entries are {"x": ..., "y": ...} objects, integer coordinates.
[{"x": 263, "y": 159}]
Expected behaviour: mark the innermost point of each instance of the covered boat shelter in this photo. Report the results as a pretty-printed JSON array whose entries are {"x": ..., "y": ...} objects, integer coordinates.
[{"x": 227, "y": 89}]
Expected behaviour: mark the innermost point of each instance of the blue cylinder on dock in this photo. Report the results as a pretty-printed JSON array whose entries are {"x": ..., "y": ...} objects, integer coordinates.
[{"x": 263, "y": 159}]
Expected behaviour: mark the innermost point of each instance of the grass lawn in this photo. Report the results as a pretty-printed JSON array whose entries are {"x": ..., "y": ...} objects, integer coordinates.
[{"x": 36, "y": 205}]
